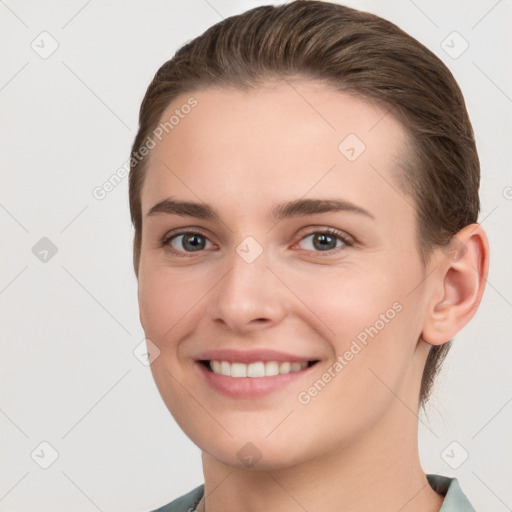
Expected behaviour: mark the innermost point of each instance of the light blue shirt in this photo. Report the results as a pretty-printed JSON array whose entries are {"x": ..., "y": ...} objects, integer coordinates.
[{"x": 454, "y": 499}]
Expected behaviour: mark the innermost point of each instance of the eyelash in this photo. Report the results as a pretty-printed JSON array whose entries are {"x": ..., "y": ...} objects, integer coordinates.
[
  {"x": 346, "y": 241},
  {"x": 165, "y": 243}
]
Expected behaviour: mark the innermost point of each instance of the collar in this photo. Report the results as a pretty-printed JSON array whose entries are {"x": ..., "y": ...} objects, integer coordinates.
[{"x": 454, "y": 499}]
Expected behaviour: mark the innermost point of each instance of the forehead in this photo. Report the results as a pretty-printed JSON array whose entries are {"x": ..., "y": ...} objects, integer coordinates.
[{"x": 277, "y": 140}]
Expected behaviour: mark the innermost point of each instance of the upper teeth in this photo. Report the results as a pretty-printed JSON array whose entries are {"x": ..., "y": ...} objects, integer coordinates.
[{"x": 258, "y": 369}]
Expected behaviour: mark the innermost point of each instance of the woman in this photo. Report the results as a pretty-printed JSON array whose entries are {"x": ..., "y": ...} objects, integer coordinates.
[{"x": 304, "y": 192}]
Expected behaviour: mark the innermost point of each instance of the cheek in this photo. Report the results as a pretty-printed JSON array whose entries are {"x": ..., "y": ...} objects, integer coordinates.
[
  {"x": 164, "y": 300},
  {"x": 347, "y": 301},
  {"x": 369, "y": 321}
]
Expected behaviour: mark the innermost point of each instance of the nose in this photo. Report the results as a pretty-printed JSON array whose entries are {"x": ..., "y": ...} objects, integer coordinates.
[{"x": 249, "y": 297}]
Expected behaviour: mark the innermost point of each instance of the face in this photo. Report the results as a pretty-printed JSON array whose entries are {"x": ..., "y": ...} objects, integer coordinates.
[{"x": 297, "y": 266}]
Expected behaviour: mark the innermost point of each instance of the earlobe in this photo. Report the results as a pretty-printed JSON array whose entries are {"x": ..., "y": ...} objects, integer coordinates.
[{"x": 462, "y": 272}]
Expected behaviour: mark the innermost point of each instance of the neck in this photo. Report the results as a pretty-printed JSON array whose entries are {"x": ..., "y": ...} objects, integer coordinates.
[{"x": 381, "y": 471}]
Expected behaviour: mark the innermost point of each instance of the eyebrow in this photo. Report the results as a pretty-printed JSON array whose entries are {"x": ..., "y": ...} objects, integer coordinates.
[{"x": 291, "y": 209}]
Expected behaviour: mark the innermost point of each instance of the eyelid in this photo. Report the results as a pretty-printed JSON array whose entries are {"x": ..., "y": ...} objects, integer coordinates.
[{"x": 184, "y": 231}]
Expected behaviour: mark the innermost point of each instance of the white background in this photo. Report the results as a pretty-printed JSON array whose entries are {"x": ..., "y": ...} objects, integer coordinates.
[{"x": 68, "y": 375}]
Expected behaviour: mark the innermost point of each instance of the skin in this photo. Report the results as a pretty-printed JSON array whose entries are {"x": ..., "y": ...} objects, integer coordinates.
[{"x": 354, "y": 445}]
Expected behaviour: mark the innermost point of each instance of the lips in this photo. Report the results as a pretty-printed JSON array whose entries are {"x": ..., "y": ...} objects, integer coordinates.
[
  {"x": 252, "y": 373},
  {"x": 252, "y": 356}
]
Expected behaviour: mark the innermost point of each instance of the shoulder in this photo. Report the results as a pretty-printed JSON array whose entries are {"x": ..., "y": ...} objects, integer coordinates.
[
  {"x": 454, "y": 499},
  {"x": 185, "y": 503}
]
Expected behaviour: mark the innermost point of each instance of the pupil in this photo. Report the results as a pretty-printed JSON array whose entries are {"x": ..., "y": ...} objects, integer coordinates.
[
  {"x": 193, "y": 242},
  {"x": 324, "y": 240}
]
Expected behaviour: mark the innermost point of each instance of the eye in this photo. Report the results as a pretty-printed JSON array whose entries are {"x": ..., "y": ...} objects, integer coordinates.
[
  {"x": 326, "y": 240},
  {"x": 186, "y": 242}
]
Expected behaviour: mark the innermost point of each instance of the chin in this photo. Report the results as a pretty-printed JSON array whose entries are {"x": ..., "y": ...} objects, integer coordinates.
[{"x": 254, "y": 453}]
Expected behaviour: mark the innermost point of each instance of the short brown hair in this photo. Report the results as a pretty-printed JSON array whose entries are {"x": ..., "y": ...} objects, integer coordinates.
[{"x": 358, "y": 53}]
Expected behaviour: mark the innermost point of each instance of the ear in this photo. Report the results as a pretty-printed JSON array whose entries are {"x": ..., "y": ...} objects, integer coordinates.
[{"x": 461, "y": 274}]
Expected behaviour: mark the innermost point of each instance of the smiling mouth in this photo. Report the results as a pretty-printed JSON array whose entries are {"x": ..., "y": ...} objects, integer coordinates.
[{"x": 256, "y": 369}]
